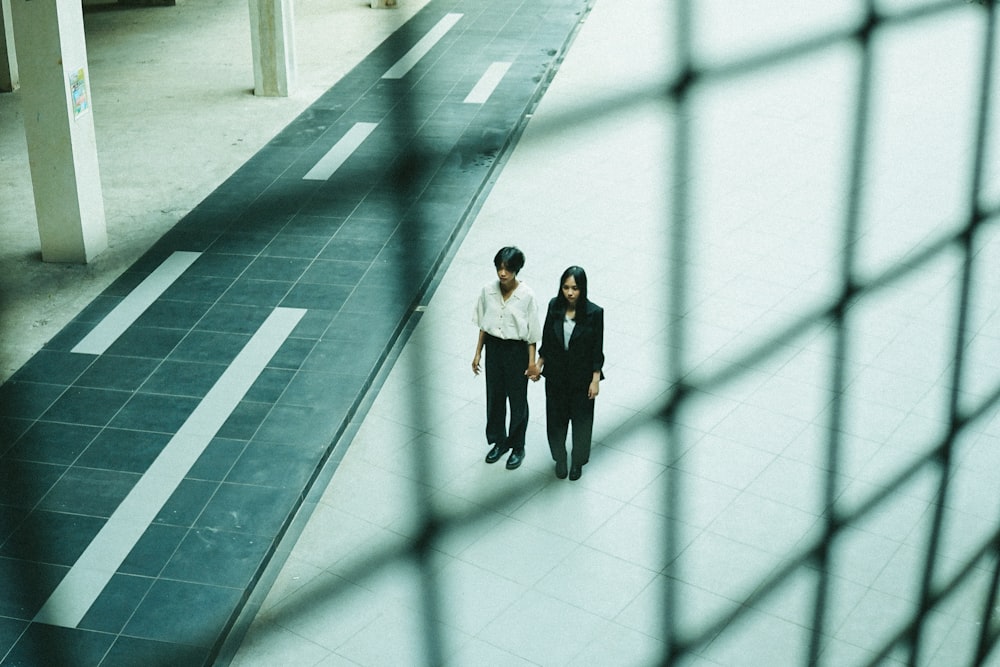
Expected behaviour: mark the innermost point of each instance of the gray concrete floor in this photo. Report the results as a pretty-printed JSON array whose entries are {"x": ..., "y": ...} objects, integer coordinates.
[{"x": 175, "y": 115}]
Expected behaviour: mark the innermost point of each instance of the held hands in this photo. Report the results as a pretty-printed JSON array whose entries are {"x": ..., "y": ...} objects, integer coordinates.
[{"x": 534, "y": 372}]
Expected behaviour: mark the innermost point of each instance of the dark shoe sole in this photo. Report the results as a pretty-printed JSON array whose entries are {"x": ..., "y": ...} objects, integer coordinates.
[{"x": 494, "y": 454}]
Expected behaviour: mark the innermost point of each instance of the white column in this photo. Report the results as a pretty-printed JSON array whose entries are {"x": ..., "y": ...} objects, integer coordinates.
[
  {"x": 273, "y": 43},
  {"x": 9, "y": 78},
  {"x": 59, "y": 126}
]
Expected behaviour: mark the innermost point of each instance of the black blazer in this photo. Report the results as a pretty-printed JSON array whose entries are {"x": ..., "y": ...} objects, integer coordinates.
[{"x": 576, "y": 365}]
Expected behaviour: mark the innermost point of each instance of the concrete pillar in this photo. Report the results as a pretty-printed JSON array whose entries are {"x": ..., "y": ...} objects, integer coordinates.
[
  {"x": 9, "y": 78},
  {"x": 273, "y": 44},
  {"x": 59, "y": 126}
]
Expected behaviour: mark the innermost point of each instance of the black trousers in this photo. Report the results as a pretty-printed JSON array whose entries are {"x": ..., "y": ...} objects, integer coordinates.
[
  {"x": 506, "y": 361},
  {"x": 565, "y": 404}
]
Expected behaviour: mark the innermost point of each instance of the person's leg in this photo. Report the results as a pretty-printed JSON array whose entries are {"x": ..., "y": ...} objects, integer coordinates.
[
  {"x": 556, "y": 425},
  {"x": 582, "y": 416},
  {"x": 516, "y": 385},
  {"x": 556, "y": 420},
  {"x": 496, "y": 396}
]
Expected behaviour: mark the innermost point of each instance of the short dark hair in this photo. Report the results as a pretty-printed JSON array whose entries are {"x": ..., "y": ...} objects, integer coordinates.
[
  {"x": 511, "y": 257},
  {"x": 580, "y": 276}
]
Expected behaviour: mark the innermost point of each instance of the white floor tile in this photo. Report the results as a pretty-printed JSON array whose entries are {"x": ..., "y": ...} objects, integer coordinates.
[
  {"x": 618, "y": 474},
  {"x": 724, "y": 567},
  {"x": 481, "y": 652},
  {"x": 756, "y": 638},
  {"x": 519, "y": 551},
  {"x": 616, "y": 644},
  {"x": 475, "y": 599},
  {"x": 328, "y": 613},
  {"x": 693, "y": 608},
  {"x": 596, "y": 582},
  {"x": 568, "y": 509},
  {"x": 270, "y": 644},
  {"x": 399, "y": 637},
  {"x": 767, "y": 525},
  {"x": 551, "y": 632},
  {"x": 638, "y": 536}
]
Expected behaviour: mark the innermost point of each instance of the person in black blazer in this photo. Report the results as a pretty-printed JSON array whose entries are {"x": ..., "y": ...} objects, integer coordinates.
[{"x": 571, "y": 359}]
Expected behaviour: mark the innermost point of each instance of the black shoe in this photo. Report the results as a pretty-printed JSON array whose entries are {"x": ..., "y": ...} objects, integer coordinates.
[
  {"x": 575, "y": 472},
  {"x": 561, "y": 469},
  {"x": 515, "y": 459},
  {"x": 494, "y": 454}
]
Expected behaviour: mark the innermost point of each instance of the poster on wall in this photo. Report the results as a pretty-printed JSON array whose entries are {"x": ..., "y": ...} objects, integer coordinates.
[{"x": 78, "y": 92}]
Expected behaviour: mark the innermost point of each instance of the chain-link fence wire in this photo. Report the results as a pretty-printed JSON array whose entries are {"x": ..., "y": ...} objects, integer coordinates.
[
  {"x": 852, "y": 289},
  {"x": 817, "y": 559}
]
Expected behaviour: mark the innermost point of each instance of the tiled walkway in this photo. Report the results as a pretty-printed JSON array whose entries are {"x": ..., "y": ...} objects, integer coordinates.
[{"x": 159, "y": 446}]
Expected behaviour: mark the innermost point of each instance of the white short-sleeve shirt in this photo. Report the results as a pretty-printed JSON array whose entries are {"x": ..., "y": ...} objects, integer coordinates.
[{"x": 513, "y": 319}]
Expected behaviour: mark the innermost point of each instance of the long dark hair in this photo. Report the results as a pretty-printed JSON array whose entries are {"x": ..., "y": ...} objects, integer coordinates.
[{"x": 580, "y": 276}]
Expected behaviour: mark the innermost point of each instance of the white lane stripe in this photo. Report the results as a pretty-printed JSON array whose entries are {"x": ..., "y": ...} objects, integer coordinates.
[
  {"x": 84, "y": 582},
  {"x": 420, "y": 49},
  {"x": 135, "y": 304},
  {"x": 487, "y": 83},
  {"x": 342, "y": 150}
]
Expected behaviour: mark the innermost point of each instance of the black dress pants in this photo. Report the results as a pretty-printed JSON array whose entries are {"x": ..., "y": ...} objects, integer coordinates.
[
  {"x": 506, "y": 362},
  {"x": 565, "y": 404}
]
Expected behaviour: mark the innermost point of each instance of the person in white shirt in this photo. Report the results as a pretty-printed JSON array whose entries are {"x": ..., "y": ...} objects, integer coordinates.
[{"x": 509, "y": 329}]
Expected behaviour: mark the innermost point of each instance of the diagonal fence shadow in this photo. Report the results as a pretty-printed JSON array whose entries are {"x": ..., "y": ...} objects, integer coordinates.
[{"x": 818, "y": 558}]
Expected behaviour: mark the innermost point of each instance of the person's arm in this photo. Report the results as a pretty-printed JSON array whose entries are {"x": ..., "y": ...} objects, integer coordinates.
[
  {"x": 595, "y": 385},
  {"x": 533, "y": 370},
  {"x": 540, "y": 361},
  {"x": 534, "y": 335},
  {"x": 479, "y": 351},
  {"x": 598, "y": 361}
]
